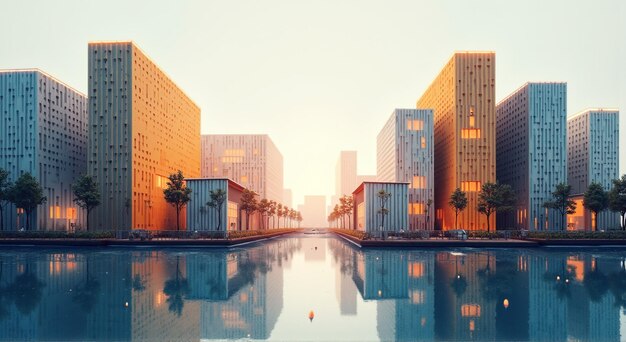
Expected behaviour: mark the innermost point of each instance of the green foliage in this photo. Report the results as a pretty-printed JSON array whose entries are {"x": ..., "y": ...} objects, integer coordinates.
[
  {"x": 27, "y": 194},
  {"x": 218, "y": 197},
  {"x": 86, "y": 194},
  {"x": 359, "y": 234},
  {"x": 458, "y": 202},
  {"x": 494, "y": 197},
  {"x": 177, "y": 194},
  {"x": 596, "y": 200},
  {"x": 249, "y": 204},
  {"x": 5, "y": 193},
  {"x": 617, "y": 199},
  {"x": 561, "y": 202}
]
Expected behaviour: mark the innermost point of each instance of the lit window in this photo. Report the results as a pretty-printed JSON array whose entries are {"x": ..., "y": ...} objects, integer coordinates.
[
  {"x": 419, "y": 182},
  {"x": 472, "y": 121},
  {"x": 470, "y": 310},
  {"x": 244, "y": 179},
  {"x": 57, "y": 212},
  {"x": 470, "y": 133},
  {"x": 414, "y": 125},
  {"x": 470, "y": 186},
  {"x": 423, "y": 142},
  {"x": 416, "y": 269},
  {"x": 416, "y": 208}
]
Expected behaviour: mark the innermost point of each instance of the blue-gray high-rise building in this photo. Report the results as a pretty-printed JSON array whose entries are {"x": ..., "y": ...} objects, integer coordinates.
[
  {"x": 531, "y": 153},
  {"x": 43, "y": 132},
  {"x": 593, "y": 156}
]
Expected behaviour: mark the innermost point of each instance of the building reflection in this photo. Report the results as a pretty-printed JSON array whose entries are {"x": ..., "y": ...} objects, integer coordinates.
[{"x": 534, "y": 294}]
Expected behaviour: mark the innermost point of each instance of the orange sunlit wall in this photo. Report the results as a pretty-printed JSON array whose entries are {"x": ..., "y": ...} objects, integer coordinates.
[
  {"x": 463, "y": 99},
  {"x": 142, "y": 128}
]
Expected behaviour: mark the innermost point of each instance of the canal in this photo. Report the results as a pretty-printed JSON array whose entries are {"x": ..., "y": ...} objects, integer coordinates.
[{"x": 312, "y": 288}]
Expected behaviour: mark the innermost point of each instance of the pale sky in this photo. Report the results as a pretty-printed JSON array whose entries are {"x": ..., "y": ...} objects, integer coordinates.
[{"x": 323, "y": 76}]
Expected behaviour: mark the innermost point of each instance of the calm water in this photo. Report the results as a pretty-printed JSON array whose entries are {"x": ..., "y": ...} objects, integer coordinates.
[{"x": 266, "y": 292}]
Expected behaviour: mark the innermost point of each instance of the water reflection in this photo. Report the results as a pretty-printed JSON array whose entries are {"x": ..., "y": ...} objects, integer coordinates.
[{"x": 414, "y": 295}]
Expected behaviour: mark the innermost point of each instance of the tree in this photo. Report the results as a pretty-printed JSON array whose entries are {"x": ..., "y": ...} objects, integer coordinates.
[
  {"x": 5, "y": 191},
  {"x": 87, "y": 291},
  {"x": 264, "y": 208},
  {"x": 299, "y": 218},
  {"x": 562, "y": 203},
  {"x": 279, "y": 213},
  {"x": 248, "y": 204},
  {"x": 27, "y": 194},
  {"x": 494, "y": 197},
  {"x": 347, "y": 206},
  {"x": 596, "y": 200},
  {"x": 177, "y": 194},
  {"x": 617, "y": 199},
  {"x": 272, "y": 212},
  {"x": 337, "y": 215},
  {"x": 458, "y": 202},
  {"x": 427, "y": 212},
  {"x": 86, "y": 194},
  {"x": 218, "y": 197},
  {"x": 383, "y": 198},
  {"x": 293, "y": 215}
]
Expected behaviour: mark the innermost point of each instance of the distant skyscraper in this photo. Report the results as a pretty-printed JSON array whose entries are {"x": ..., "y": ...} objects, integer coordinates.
[
  {"x": 345, "y": 171},
  {"x": 365, "y": 178},
  {"x": 251, "y": 160},
  {"x": 288, "y": 198},
  {"x": 313, "y": 211},
  {"x": 405, "y": 154},
  {"x": 142, "y": 128},
  {"x": 43, "y": 132},
  {"x": 463, "y": 99},
  {"x": 531, "y": 152},
  {"x": 593, "y": 156}
]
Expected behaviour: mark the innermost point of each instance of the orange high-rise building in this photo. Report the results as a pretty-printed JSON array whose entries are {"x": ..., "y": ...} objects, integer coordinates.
[
  {"x": 142, "y": 128},
  {"x": 463, "y": 99}
]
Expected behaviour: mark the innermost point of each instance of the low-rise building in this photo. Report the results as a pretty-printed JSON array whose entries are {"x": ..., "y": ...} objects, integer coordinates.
[
  {"x": 202, "y": 217},
  {"x": 367, "y": 207}
]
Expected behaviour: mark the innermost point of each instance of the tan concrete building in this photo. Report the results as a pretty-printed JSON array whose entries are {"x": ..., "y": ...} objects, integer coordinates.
[
  {"x": 463, "y": 99},
  {"x": 142, "y": 128},
  {"x": 251, "y": 160}
]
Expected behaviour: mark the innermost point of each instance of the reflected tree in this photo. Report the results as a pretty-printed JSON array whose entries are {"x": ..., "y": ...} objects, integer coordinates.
[
  {"x": 617, "y": 285},
  {"x": 176, "y": 289},
  {"x": 87, "y": 291},
  {"x": 138, "y": 283},
  {"x": 561, "y": 281},
  {"x": 498, "y": 284},
  {"x": 459, "y": 283},
  {"x": 26, "y": 291},
  {"x": 597, "y": 285}
]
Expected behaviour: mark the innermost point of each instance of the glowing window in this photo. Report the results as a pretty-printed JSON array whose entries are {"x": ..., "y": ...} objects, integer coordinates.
[
  {"x": 51, "y": 212},
  {"x": 470, "y": 310},
  {"x": 57, "y": 212},
  {"x": 414, "y": 125},
  {"x": 419, "y": 182},
  {"x": 470, "y": 133},
  {"x": 416, "y": 269},
  {"x": 70, "y": 213},
  {"x": 417, "y": 296},
  {"x": 470, "y": 186},
  {"x": 472, "y": 121},
  {"x": 360, "y": 213},
  {"x": 416, "y": 209},
  {"x": 244, "y": 179},
  {"x": 232, "y": 215},
  {"x": 423, "y": 139}
]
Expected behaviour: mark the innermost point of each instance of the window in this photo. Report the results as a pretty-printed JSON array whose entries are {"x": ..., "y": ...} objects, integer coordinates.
[
  {"x": 470, "y": 310},
  {"x": 244, "y": 179},
  {"x": 360, "y": 213},
  {"x": 470, "y": 186},
  {"x": 232, "y": 215},
  {"x": 472, "y": 121},
  {"x": 470, "y": 133},
  {"x": 416, "y": 208},
  {"x": 414, "y": 125},
  {"x": 416, "y": 269},
  {"x": 419, "y": 182},
  {"x": 423, "y": 142}
]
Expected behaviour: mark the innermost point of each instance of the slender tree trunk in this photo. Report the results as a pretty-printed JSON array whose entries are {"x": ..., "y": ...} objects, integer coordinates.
[
  {"x": 456, "y": 217},
  {"x": 177, "y": 219},
  {"x": 1, "y": 218},
  {"x": 564, "y": 222},
  {"x": 87, "y": 223},
  {"x": 219, "y": 217},
  {"x": 596, "y": 219},
  {"x": 488, "y": 222},
  {"x": 28, "y": 220}
]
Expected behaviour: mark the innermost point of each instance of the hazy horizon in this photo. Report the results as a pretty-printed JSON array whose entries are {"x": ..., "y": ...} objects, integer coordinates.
[{"x": 321, "y": 77}]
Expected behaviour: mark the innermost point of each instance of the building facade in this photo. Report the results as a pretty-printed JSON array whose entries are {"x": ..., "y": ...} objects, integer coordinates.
[
  {"x": 593, "y": 156},
  {"x": 531, "y": 157},
  {"x": 345, "y": 173},
  {"x": 404, "y": 153},
  {"x": 313, "y": 211},
  {"x": 142, "y": 128},
  {"x": 250, "y": 160},
  {"x": 366, "y": 215},
  {"x": 44, "y": 133},
  {"x": 202, "y": 217},
  {"x": 463, "y": 100}
]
